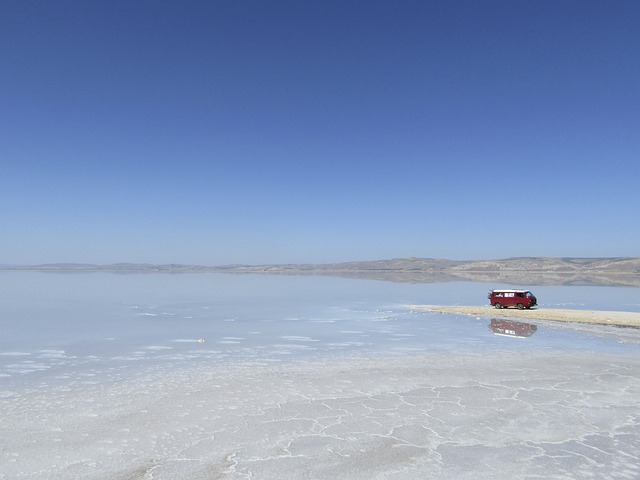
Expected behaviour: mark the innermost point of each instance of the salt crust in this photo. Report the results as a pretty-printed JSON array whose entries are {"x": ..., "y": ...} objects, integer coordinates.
[{"x": 505, "y": 416}]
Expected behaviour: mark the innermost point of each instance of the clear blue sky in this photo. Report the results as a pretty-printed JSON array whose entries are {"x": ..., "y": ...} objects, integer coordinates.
[{"x": 217, "y": 132}]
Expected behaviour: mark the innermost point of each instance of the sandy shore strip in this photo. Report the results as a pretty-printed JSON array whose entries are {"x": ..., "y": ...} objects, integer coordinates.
[{"x": 594, "y": 317}]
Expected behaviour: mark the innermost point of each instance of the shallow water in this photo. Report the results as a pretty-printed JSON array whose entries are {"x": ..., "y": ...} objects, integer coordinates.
[
  {"x": 232, "y": 376},
  {"x": 53, "y": 322}
]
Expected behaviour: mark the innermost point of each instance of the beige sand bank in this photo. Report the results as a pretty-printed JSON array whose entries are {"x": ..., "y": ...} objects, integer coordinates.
[{"x": 621, "y": 319}]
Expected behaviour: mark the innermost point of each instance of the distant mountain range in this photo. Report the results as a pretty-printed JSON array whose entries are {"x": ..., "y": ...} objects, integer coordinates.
[{"x": 621, "y": 271}]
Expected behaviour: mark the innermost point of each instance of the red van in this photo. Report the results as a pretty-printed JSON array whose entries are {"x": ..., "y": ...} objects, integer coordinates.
[{"x": 512, "y": 298}]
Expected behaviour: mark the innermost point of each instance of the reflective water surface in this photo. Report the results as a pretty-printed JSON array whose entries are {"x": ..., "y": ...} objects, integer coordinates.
[
  {"x": 57, "y": 321},
  {"x": 201, "y": 376}
]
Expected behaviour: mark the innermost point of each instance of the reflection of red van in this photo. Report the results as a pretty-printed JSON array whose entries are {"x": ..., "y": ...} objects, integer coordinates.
[
  {"x": 509, "y": 328},
  {"x": 512, "y": 298}
]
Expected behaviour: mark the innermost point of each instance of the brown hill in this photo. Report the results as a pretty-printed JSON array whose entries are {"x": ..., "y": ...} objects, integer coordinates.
[{"x": 619, "y": 271}]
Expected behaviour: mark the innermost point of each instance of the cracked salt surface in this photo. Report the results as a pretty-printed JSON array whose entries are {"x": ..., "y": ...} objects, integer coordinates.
[{"x": 318, "y": 378}]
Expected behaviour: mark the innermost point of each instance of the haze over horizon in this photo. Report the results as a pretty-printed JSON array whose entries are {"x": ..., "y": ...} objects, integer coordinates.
[
  {"x": 250, "y": 132},
  {"x": 595, "y": 263}
]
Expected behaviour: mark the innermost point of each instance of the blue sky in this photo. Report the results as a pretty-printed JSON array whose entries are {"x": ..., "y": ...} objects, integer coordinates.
[{"x": 217, "y": 132}]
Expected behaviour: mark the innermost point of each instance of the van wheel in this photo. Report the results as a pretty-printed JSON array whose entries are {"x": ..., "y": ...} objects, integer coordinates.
[
  {"x": 520, "y": 306},
  {"x": 497, "y": 305}
]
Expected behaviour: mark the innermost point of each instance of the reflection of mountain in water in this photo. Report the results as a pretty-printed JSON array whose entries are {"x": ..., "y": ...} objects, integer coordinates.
[
  {"x": 512, "y": 278},
  {"x": 515, "y": 271},
  {"x": 539, "y": 278},
  {"x": 511, "y": 328},
  {"x": 623, "y": 271}
]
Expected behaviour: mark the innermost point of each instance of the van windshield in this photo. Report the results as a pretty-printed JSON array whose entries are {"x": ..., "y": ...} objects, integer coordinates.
[{"x": 529, "y": 294}]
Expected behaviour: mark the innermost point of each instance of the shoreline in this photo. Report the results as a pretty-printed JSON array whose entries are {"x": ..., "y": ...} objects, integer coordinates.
[{"x": 592, "y": 317}]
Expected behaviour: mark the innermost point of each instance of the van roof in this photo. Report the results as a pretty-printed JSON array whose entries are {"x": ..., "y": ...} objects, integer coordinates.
[{"x": 510, "y": 290}]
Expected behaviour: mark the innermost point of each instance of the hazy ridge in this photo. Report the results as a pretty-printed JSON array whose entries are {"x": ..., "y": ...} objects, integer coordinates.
[{"x": 618, "y": 271}]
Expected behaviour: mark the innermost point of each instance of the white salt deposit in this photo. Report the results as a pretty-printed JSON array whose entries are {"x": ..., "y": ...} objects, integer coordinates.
[{"x": 412, "y": 416}]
